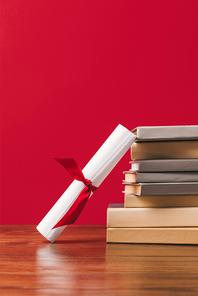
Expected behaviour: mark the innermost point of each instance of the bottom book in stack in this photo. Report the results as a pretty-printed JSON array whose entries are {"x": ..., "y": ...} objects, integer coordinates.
[{"x": 166, "y": 225}]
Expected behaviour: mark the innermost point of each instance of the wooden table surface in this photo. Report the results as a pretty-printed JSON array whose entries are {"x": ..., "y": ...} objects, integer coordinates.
[{"x": 81, "y": 263}]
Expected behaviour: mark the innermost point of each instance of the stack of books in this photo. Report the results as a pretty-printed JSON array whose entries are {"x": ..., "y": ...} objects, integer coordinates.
[{"x": 161, "y": 189}]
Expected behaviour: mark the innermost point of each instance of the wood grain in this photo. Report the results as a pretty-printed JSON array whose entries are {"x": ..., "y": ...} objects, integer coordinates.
[{"x": 81, "y": 263}]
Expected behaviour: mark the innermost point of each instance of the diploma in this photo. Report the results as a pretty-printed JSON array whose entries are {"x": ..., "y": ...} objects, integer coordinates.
[{"x": 93, "y": 174}]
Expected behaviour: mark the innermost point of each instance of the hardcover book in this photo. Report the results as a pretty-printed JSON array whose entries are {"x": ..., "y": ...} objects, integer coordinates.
[
  {"x": 182, "y": 188},
  {"x": 168, "y": 235},
  {"x": 160, "y": 201},
  {"x": 118, "y": 216},
  {"x": 166, "y": 133},
  {"x": 163, "y": 150},
  {"x": 165, "y": 165},
  {"x": 136, "y": 177}
]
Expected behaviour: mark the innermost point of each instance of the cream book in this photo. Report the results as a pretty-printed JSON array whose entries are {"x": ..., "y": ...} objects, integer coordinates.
[
  {"x": 167, "y": 235},
  {"x": 177, "y": 188},
  {"x": 118, "y": 216},
  {"x": 160, "y": 201},
  {"x": 163, "y": 150}
]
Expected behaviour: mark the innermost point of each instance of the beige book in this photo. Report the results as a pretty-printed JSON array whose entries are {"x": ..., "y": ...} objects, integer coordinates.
[
  {"x": 163, "y": 150},
  {"x": 161, "y": 201},
  {"x": 174, "y": 235},
  {"x": 118, "y": 216}
]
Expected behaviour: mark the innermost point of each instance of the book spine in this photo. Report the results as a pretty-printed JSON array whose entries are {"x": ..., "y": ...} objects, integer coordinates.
[
  {"x": 152, "y": 217},
  {"x": 166, "y": 177},
  {"x": 169, "y": 188},
  {"x": 166, "y": 165},
  {"x": 156, "y": 235},
  {"x": 164, "y": 150},
  {"x": 167, "y": 133},
  {"x": 134, "y": 201}
]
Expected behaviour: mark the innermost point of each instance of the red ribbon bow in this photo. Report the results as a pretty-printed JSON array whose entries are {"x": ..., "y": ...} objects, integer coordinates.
[{"x": 75, "y": 171}]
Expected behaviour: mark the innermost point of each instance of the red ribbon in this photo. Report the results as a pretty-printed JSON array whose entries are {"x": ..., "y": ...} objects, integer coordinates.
[{"x": 75, "y": 171}]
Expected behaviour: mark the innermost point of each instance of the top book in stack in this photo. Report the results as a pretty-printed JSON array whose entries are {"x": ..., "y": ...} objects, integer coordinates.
[
  {"x": 163, "y": 142},
  {"x": 166, "y": 133}
]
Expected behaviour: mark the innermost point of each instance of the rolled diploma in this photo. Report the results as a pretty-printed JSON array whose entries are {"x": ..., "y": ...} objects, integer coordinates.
[{"x": 96, "y": 170}]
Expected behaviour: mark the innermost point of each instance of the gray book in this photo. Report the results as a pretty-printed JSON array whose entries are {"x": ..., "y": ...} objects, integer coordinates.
[
  {"x": 136, "y": 177},
  {"x": 183, "y": 188},
  {"x": 165, "y": 165},
  {"x": 166, "y": 133}
]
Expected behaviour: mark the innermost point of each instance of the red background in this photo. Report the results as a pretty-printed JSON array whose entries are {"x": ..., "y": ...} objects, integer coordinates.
[{"x": 71, "y": 71}]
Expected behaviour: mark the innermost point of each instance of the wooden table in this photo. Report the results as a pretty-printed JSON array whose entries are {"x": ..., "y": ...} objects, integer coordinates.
[{"x": 81, "y": 263}]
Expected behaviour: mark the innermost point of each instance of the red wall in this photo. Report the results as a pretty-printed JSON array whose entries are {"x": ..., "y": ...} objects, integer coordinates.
[{"x": 71, "y": 71}]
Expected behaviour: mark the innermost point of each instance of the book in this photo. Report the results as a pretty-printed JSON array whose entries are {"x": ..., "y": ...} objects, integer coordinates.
[
  {"x": 118, "y": 216},
  {"x": 115, "y": 251},
  {"x": 166, "y": 133},
  {"x": 160, "y": 201},
  {"x": 165, "y": 165},
  {"x": 163, "y": 150},
  {"x": 168, "y": 235},
  {"x": 136, "y": 177},
  {"x": 182, "y": 188}
]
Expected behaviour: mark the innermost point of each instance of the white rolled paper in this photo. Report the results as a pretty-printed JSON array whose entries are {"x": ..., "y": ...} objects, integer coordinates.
[{"x": 96, "y": 170}]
